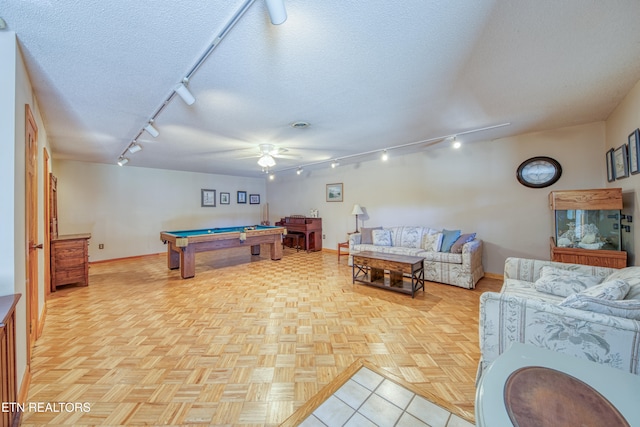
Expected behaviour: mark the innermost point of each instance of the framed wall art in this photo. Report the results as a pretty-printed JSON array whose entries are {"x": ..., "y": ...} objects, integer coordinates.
[
  {"x": 242, "y": 197},
  {"x": 334, "y": 192},
  {"x": 207, "y": 198},
  {"x": 634, "y": 148},
  {"x": 610, "y": 171},
  {"x": 620, "y": 161},
  {"x": 254, "y": 199},
  {"x": 225, "y": 198}
]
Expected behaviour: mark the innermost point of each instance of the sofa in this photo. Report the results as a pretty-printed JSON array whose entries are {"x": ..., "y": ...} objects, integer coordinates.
[
  {"x": 588, "y": 312},
  {"x": 450, "y": 256}
]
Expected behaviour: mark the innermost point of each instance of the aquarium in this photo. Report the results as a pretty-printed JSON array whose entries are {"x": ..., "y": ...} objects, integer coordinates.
[{"x": 588, "y": 229}]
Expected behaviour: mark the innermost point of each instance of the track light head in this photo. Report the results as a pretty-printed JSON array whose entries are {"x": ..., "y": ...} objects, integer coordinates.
[
  {"x": 122, "y": 161},
  {"x": 134, "y": 147},
  {"x": 185, "y": 94},
  {"x": 299, "y": 171},
  {"x": 385, "y": 156},
  {"x": 151, "y": 130},
  {"x": 277, "y": 11},
  {"x": 456, "y": 144},
  {"x": 334, "y": 164}
]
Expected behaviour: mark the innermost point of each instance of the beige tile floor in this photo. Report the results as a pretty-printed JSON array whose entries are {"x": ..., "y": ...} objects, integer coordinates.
[{"x": 369, "y": 399}]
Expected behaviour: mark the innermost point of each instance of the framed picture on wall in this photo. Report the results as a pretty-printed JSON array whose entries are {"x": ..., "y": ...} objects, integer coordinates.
[
  {"x": 254, "y": 199},
  {"x": 225, "y": 198},
  {"x": 634, "y": 148},
  {"x": 242, "y": 197},
  {"x": 207, "y": 198},
  {"x": 334, "y": 192},
  {"x": 610, "y": 172},
  {"x": 620, "y": 161}
]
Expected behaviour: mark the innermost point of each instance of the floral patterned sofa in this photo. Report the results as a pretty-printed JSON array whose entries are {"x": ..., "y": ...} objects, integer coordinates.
[
  {"x": 567, "y": 308},
  {"x": 449, "y": 256}
]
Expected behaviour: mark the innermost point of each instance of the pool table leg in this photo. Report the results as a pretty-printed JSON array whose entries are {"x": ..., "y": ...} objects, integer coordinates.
[
  {"x": 188, "y": 261},
  {"x": 173, "y": 257},
  {"x": 276, "y": 250}
]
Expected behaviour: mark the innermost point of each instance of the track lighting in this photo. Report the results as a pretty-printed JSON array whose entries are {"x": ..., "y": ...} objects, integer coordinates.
[
  {"x": 151, "y": 130},
  {"x": 334, "y": 164},
  {"x": 385, "y": 156},
  {"x": 299, "y": 171},
  {"x": 272, "y": 176},
  {"x": 277, "y": 11},
  {"x": 456, "y": 144},
  {"x": 122, "y": 161},
  {"x": 135, "y": 147},
  {"x": 184, "y": 93}
]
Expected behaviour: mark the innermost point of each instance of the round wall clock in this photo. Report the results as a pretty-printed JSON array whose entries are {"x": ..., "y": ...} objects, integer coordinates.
[{"x": 539, "y": 172}]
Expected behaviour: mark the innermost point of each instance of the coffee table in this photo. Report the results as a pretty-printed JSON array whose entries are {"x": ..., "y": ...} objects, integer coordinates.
[{"x": 369, "y": 268}]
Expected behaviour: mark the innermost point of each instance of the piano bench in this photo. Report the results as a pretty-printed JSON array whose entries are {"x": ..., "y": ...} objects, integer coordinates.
[{"x": 296, "y": 239}]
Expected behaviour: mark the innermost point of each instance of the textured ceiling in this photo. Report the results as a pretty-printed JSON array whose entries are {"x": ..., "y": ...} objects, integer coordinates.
[{"x": 366, "y": 74}]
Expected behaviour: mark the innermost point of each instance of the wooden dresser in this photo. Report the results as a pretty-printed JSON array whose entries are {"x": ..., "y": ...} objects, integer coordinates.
[
  {"x": 70, "y": 260},
  {"x": 8, "y": 378}
]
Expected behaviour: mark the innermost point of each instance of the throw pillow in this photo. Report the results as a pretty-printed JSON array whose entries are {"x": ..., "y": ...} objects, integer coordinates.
[
  {"x": 432, "y": 242},
  {"x": 612, "y": 290},
  {"x": 560, "y": 282},
  {"x": 629, "y": 309},
  {"x": 449, "y": 237},
  {"x": 381, "y": 237},
  {"x": 456, "y": 248},
  {"x": 366, "y": 238},
  {"x": 631, "y": 275}
]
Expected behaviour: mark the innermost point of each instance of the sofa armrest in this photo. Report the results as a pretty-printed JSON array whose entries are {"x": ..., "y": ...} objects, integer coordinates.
[
  {"x": 529, "y": 269},
  {"x": 472, "y": 255},
  {"x": 354, "y": 239},
  {"x": 508, "y": 318}
]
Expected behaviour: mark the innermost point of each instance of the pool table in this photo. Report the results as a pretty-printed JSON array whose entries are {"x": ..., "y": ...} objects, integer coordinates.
[{"x": 183, "y": 245}]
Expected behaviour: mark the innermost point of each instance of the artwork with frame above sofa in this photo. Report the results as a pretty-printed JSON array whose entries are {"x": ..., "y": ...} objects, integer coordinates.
[{"x": 450, "y": 256}]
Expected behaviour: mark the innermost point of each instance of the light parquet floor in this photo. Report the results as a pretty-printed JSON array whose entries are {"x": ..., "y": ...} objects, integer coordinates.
[{"x": 246, "y": 342}]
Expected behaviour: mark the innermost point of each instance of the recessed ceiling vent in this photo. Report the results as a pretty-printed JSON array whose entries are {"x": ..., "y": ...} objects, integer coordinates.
[{"x": 300, "y": 125}]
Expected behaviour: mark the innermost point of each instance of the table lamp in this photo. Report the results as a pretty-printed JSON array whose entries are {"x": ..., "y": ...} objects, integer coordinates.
[{"x": 357, "y": 210}]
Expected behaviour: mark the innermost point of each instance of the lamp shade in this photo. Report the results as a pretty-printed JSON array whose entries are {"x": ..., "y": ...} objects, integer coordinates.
[{"x": 357, "y": 210}]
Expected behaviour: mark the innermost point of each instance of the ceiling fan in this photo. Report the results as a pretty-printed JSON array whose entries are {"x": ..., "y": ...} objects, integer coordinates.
[{"x": 268, "y": 153}]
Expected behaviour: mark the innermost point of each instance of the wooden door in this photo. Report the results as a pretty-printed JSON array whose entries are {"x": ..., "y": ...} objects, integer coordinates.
[{"x": 31, "y": 220}]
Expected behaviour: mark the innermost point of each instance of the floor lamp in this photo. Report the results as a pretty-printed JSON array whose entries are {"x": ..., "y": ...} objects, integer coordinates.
[{"x": 357, "y": 210}]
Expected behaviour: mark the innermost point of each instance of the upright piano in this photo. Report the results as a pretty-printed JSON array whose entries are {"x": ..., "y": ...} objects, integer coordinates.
[{"x": 311, "y": 227}]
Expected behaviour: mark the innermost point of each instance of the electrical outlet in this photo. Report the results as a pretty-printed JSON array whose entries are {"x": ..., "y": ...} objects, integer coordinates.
[
  {"x": 324, "y": 236},
  {"x": 101, "y": 246}
]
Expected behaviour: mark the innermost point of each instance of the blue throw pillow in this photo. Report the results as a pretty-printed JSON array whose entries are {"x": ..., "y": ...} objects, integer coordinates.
[{"x": 448, "y": 239}]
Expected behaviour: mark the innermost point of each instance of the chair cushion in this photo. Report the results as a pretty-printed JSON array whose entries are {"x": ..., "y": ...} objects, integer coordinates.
[
  {"x": 456, "y": 248},
  {"x": 448, "y": 239},
  {"x": 366, "y": 237}
]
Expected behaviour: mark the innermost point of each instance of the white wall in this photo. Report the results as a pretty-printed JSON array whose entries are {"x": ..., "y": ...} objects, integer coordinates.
[
  {"x": 126, "y": 208},
  {"x": 473, "y": 189},
  {"x": 624, "y": 120},
  {"x": 7, "y": 160},
  {"x": 16, "y": 90}
]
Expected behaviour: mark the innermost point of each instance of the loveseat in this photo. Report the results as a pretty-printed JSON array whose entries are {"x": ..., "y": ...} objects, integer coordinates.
[
  {"x": 587, "y": 312},
  {"x": 449, "y": 256}
]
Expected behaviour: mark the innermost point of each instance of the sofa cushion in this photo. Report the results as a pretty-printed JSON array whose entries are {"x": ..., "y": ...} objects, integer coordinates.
[
  {"x": 629, "y": 309},
  {"x": 365, "y": 235},
  {"x": 443, "y": 257},
  {"x": 448, "y": 239},
  {"x": 610, "y": 290},
  {"x": 432, "y": 242},
  {"x": 631, "y": 275},
  {"x": 456, "y": 248},
  {"x": 556, "y": 281},
  {"x": 525, "y": 289},
  {"x": 408, "y": 236},
  {"x": 381, "y": 237}
]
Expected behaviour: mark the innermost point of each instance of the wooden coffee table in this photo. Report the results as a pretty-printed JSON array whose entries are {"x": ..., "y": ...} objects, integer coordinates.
[{"x": 369, "y": 269}]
